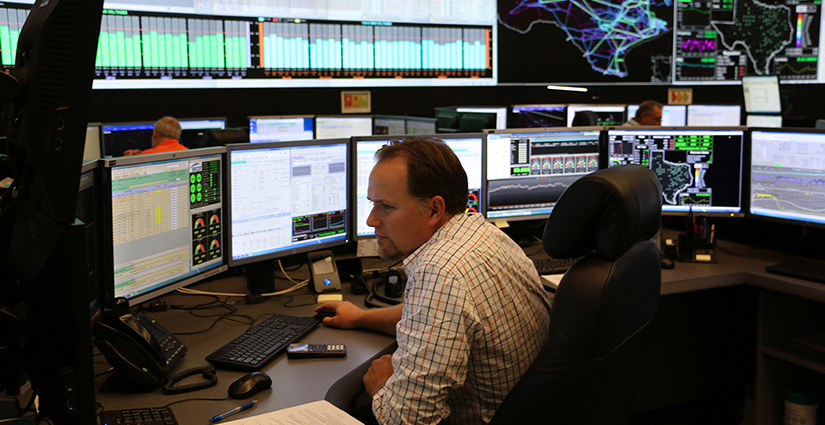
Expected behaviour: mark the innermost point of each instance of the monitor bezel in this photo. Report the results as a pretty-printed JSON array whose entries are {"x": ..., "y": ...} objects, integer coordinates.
[
  {"x": 742, "y": 153},
  {"x": 445, "y": 136},
  {"x": 427, "y": 120},
  {"x": 106, "y": 165},
  {"x": 229, "y": 253},
  {"x": 602, "y": 153},
  {"x": 344, "y": 116},
  {"x": 249, "y": 119},
  {"x": 724, "y": 105},
  {"x": 103, "y": 151},
  {"x": 515, "y": 115},
  {"x": 747, "y": 80},
  {"x": 402, "y": 118},
  {"x": 750, "y": 214},
  {"x": 572, "y": 108}
]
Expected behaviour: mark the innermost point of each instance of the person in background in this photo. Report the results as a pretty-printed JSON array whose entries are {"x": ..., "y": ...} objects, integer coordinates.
[
  {"x": 474, "y": 314},
  {"x": 649, "y": 113},
  {"x": 165, "y": 138}
]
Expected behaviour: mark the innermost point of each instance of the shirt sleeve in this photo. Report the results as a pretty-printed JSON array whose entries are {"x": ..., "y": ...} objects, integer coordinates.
[{"x": 433, "y": 351}]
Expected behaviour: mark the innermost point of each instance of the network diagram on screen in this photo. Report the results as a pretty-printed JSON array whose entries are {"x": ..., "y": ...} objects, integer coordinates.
[
  {"x": 691, "y": 42},
  {"x": 697, "y": 169}
]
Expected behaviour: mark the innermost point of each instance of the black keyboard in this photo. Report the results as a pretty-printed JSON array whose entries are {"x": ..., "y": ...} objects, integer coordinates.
[
  {"x": 553, "y": 265},
  {"x": 257, "y": 346},
  {"x": 804, "y": 269},
  {"x": 147, "y": 416}
]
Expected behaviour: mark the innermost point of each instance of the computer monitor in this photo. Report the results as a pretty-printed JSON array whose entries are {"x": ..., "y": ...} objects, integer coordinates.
[
  {"x": 527, "y": 116},
  {"x": 339, "y": 127},
  {"x": 120, "y": 137},
  {"x": 421, "y": 125},
  {"x": 264, "y": 129},
  {"x": 714, "y": 115},
  {"x": 193, "y": 129},
  {"x": 389, "y": 124},
  {"x": 700, "y": 168},
  {"x": 468, "y": 147},
  {"x": 763, "y": 121},
  {"x": 605, "y": 114},
  {"x": 672, "y": 115},
  {"x": 527, "y": 170},
  {"x": 165, "y": 226},
  {"x": 286, "y": 198},
  {"x": 761, "y": 93},
  {"x": 93, "y": 138},
  {"x": 786, "y": 175},
  {"x": 500, "y": 111}
]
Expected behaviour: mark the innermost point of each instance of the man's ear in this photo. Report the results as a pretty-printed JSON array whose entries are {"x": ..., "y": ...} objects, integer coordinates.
[{"x": 438, "y": 208}]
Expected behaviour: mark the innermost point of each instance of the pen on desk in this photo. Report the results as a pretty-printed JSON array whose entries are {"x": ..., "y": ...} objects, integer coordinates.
[{"x": 240, "y": 408}]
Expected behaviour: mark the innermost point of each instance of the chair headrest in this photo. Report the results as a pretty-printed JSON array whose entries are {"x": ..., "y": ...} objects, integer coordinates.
[{"x": 608, "y": 210}]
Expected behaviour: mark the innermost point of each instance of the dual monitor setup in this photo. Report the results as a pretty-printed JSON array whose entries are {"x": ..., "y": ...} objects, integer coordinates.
[{"x": 172, "y": 219}]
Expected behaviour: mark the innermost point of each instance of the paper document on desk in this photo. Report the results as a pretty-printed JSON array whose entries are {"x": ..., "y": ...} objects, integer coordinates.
[
  {"x": 319, "y": 412},
  {"x": 551, "y": 281}
]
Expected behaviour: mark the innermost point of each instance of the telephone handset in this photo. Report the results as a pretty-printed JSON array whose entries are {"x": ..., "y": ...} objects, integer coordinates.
[{"x": 141, "y": 352}]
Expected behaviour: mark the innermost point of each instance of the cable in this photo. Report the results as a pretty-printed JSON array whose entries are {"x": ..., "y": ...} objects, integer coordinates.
[{"x": 197, "y": 399}]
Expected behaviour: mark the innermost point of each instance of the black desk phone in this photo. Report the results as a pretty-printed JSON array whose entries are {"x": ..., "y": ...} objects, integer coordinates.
[{"x": 141, "y": 351}]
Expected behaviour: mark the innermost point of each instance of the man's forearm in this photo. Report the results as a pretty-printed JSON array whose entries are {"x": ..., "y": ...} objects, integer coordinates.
[{"x": 381, "y": 319}]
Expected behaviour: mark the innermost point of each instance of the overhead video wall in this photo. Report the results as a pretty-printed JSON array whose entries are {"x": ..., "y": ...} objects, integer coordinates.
[
  {"x": 284, "y": 43},
  {"x": 659, "y": 41}
]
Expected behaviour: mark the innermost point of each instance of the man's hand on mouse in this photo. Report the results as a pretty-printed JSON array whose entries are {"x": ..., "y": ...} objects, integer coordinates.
[
  {"x": 378, "y": 374},
  {"x": 346, "y": 315}
]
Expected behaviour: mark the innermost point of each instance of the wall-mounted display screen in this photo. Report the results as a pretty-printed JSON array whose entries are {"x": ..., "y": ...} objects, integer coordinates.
[{"x": 311, "y": 43}]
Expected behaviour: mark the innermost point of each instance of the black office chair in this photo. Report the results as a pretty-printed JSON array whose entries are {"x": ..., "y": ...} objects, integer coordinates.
[
  {"x": 600, "y": 323},
  {"x": 224, "y": 137},
  {"x": 585, "y": 119}
]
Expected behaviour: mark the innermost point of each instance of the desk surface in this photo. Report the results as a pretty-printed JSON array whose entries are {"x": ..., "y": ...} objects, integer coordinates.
[
  {"x": 294, "y": 381},
  {"x": 302, "y": 381}
]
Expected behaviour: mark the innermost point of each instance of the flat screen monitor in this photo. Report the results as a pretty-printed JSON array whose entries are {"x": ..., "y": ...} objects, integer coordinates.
[
  {"x": 714, "y": 115},
  {"x": 388, "y": 124},
  {"x": 421, "y": 125},
  {"x": 193, "y": 129},
  {"x": 120, "y": 137},
  {"x": 469, "y": 147},
  {"x": 166, "y": 221},
  {"x": 761, "y": 93},
  {"x": 700, "y": 169},
  {"x": 527, "y": 171},
  {"x": 786, "y": 176},
  {"x": 340, "y": 127},
  {"x": 608, "y": 115},
  {"x": 764, "y": 121},
  {"x": 527, "y": 116},
  {"x": 500, "y": 111},
  {"x": 88, "y": 212},
  {"x": 92, "y": 148},
  {"x": 672, "y": 115},
  {"x": 264, "y": 129},
  {"x": 286, "y": 198}
]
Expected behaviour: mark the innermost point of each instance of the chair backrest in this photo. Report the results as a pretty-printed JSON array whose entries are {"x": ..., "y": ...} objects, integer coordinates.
[
  {"x": 224, "y": 137},
  {"x": 585, "y": 119},
  {"x": 602, "y": 310}
]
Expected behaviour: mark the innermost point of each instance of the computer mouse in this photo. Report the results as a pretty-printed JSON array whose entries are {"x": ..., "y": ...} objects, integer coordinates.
[
  {"x": 248, "y": 385},
  {"x": 667, "y": 263},
  {"x": 324, "y": 313}
]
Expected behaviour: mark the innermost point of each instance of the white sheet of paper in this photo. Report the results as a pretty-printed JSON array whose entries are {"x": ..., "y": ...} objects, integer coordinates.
[{"x": 319, "y": 412}]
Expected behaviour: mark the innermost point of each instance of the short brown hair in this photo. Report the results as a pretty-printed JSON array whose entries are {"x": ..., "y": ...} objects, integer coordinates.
[
  {"x": 433, "y": 169},
  {"x": 168, "y": 128},
  {"x": 647, "y": 106}
]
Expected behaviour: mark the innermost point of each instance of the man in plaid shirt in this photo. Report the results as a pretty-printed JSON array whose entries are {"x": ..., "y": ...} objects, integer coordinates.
[{"x": 475, "y": 314}]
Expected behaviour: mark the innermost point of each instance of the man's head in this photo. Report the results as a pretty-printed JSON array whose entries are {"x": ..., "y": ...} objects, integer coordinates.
[
  {"x": 165, "y": 128},
  {"x": 416, "y": 186},
  {"x": 649, "y": 113}
]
